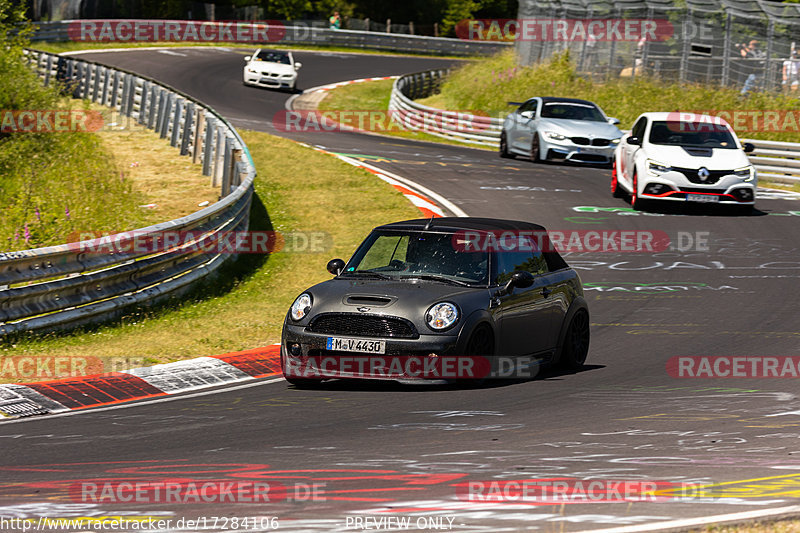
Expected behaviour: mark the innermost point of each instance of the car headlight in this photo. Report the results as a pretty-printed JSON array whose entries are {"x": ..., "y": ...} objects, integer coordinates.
[
  {"x": 615, "y": 141},
  {"x": 654, "y": 168},
  {"x": 554, "y": 136},
  {"x": 301, "y": 306},
  {"x": 746, "y": 173},
  {"x": 441, "y": 316},
  {"x": 252, "y": 71}
]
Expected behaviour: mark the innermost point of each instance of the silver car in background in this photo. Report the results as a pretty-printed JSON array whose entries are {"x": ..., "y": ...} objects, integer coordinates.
[{"x": 550, "y": 128}]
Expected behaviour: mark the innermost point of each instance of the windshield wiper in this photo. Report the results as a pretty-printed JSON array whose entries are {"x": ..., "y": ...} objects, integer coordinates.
[
  {"x": 432, "y": 277},
  {"x": 367, "y": 273}
]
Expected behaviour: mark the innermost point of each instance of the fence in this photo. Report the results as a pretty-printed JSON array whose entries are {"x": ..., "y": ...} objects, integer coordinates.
[
  {"x": 63, "y": 286},
  {"x": 776, "y": 161},
  {"x": 310, "y": 35},
  {"x": 704, "y": 42}
]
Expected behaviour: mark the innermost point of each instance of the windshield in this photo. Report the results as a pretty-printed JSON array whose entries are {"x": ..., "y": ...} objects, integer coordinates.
[
  {"x": 572, "y": 111},
  {"x": 698, "y": 134},
  {"x": 273, "y": 57},
  {"x": 415, "y": 254}
]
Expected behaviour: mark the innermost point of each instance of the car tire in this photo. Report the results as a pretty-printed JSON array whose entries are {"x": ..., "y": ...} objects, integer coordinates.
[
  {"x": 535, "y": 155},
  {"x": 576, "y": 342},
  {"x": 616, "y": 190},
  {"x": 302, "y": 383},
  {"x": 480, "y": 344},
  {"x": 636, "y": 202},
  {"x": 504, "y": 153}
]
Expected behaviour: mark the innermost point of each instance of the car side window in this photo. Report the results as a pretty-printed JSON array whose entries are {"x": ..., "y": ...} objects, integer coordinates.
[
  {"x": 639, "y": 127},
  {"x": 527, "y": 257},
  {"x": 530, "y": 105}
]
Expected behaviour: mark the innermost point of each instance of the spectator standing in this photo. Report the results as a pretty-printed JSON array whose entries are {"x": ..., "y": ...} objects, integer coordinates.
[
  {"x": 335, "y": 21},
  {"x": 791, "y": 71}
]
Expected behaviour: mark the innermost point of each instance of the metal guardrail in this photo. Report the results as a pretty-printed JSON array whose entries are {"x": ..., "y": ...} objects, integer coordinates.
[
  {"x": 307, "y": 35},
  {"x": 63, "y": 286},
  {"x": 774, "y": 160}
]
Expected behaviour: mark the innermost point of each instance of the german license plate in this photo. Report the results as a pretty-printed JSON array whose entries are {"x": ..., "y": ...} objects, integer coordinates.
[
  {"x": 343, "y": 344},
  {"x": 705, "y": 198}
]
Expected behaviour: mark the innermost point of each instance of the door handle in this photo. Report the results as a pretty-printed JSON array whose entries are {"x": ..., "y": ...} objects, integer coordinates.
[{"x": 546, "y": 292}]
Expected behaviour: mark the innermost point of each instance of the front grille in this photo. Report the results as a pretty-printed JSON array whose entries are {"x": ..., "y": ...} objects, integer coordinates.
[
  {"x": 583, "y": 141},
  {"x": 589, "y": 158},
  {"x": 713, "y": 175},
  {"x": 363, "y": 325},
  {"x": 601, "y": 142},
  {"x": 702, "y": 189}
]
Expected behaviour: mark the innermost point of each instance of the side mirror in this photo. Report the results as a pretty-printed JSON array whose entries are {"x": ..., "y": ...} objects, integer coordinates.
[
  {"x": 335, "y": 266},
  {"x": 521, "y": 279},
  {"x": 527, "y": 114},
  {"x": 247, "y": 58},
  {"x": 612, "y": 120},
  {"x": 297, "y": 65},
  {"x": 749, "y": 147},
  {"x": 634, "y": 141}
]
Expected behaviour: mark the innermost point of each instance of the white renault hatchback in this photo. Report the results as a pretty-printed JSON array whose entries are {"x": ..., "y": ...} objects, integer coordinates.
[{"x": 685, "y": 158}]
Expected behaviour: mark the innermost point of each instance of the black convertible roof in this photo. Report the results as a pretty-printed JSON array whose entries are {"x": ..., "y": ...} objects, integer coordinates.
[
  {"x": 462, "y": 223},
  {"x": 455, "y": 224}
]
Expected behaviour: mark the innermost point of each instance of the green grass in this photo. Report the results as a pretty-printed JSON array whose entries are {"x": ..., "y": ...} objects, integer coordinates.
[
  {"x": 244, "y": 309},
  {"x": 54, "y": 184},
  {"x": 488, "y": 85},
  {"x": 374, "y": 96}
]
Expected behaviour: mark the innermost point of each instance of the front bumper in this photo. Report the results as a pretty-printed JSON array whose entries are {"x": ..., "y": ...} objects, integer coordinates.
[
  {"x": 304, "y": 355},
  {"x": 568, "y": 151},
  {"x": 675, "y": 186},
  {"x": 270, "y": 82}
]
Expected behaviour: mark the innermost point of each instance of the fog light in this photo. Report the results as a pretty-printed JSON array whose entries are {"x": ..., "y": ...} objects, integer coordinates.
[
  {"x": 295, "y": 350},
  {"x": 743, "y": 195},
  {"x": 657, "y": 188}
]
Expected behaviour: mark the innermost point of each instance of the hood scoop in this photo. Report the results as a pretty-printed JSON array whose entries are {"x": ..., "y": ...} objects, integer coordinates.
[
  {"x": 375, "y": 301},
  {"x": 699, "y": 152}
]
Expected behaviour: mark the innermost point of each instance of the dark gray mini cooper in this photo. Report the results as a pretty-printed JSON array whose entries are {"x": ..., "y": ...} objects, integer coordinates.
[{"x": 440, "y": 298}]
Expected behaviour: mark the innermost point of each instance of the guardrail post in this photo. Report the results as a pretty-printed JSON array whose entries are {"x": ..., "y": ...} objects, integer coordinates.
[
  {"x": 227, "y": 168},
  {"x": 208, "y": 146},
  {"x": 199, "y": 130},
  {"x": 114, "y": 89},
  {"x": 96, "y": 82},
  {"x": 176, "y": 122},
  {"x": 87, "y": 77},
  {"x": 166, "y": 115},
  {"x": 152, "y": 104},
  {"x": 219, "y": 157},
  {"x": 188, "y": 121},
  {"x": 106, "y": 82},
  {"x": 48, "y": 68},
  {"x": 159, "y": 110}
]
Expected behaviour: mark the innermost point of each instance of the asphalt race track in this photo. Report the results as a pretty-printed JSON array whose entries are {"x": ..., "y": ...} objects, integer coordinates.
[{"x": 727, "y": 287}]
